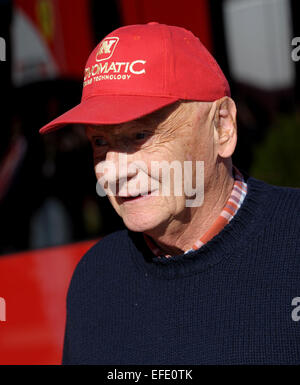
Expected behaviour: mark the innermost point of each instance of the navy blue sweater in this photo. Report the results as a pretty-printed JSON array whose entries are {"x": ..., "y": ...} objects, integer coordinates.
[{"x": 230, "y": 302}]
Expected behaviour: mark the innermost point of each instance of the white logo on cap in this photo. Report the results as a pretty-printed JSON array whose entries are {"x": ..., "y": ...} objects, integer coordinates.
[{"x": 106, "y": 48}]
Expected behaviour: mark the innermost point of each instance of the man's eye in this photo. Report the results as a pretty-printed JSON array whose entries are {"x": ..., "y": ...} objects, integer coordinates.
[
  {"x": 142, "y": 135},
  {"x": 99, "y": 142}
]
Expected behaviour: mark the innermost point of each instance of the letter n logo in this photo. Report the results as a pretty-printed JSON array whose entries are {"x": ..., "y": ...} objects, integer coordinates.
[
  {"x": 106, "y": 48},
  {"x": 2, "y": 309}
]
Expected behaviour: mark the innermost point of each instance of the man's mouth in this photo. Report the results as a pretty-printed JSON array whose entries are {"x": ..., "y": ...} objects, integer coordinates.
[{"x": 131, "y": 198}]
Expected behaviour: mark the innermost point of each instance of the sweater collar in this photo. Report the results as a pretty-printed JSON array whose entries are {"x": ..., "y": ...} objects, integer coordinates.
[{"x": 231, "y": 240}]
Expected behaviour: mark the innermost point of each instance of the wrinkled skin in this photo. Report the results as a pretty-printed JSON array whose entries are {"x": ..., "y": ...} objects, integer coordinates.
[{"x": 203, "y": 131}]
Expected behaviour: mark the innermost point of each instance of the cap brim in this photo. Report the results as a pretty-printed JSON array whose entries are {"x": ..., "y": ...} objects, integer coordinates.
[{"x": 109, "y": 109}]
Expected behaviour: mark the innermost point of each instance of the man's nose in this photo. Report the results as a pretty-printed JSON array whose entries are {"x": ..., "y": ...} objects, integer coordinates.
[{"x": 122, "y": 172}]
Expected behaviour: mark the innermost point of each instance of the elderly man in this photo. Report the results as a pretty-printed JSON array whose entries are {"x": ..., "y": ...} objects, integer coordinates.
[{"x": 208, "y": 269}]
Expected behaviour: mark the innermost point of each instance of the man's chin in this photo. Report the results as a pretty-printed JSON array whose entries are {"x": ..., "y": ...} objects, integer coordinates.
[{"x": 141, "y": 223}]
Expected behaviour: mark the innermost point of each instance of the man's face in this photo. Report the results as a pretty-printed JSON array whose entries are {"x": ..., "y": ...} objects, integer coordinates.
[{"x": 178, "y": 133}]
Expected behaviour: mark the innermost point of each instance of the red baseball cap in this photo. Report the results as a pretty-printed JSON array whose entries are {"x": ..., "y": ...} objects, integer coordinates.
[{"x": 138, "y": 69}]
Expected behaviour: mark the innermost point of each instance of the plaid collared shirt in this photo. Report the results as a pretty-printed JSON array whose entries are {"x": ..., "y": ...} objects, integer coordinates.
[{"x": 234, "y": 202}]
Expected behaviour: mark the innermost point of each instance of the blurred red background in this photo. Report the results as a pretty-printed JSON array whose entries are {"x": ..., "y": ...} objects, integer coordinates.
[{"x": 34, "y": 285}]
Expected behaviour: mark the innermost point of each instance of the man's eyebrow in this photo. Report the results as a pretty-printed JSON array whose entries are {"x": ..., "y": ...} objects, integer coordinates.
[{"x": 91, "y": 129}]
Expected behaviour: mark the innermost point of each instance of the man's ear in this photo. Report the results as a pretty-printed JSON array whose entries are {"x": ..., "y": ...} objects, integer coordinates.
[{"x": 225, "y": 129}]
